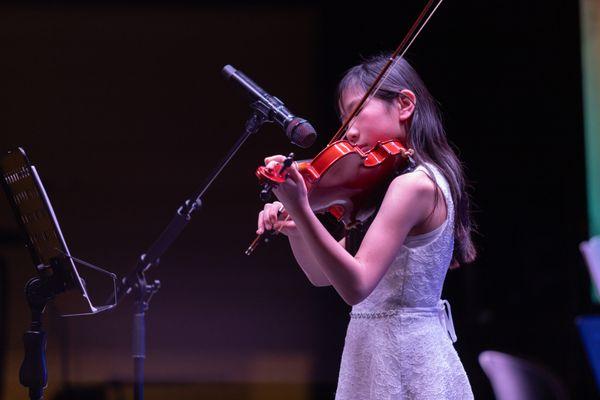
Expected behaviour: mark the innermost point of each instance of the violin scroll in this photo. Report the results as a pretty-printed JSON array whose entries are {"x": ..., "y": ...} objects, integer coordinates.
[{"x": 269, "y": 178}]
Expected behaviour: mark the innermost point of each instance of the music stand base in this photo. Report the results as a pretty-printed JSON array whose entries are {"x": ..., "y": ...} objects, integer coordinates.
[{"x": 33, "y": 373}]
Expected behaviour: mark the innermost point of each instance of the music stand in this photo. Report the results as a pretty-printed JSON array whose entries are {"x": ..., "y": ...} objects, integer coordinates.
[{"x": 55, "y": 267}]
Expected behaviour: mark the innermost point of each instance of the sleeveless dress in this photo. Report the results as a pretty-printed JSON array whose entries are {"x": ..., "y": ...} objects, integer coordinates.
[{"x": 399, "y": 342}]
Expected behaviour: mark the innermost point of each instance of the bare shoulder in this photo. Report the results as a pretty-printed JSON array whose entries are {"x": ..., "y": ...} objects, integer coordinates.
[
  {"x": 414, "y": 184},
  {"x": 409, "y": 199}
]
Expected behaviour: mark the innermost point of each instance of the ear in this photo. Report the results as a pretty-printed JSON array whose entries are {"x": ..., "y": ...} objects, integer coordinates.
[{"x": 406, "y": 102}]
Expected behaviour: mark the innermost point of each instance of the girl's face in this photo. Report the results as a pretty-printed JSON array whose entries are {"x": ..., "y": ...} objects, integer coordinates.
[{"x": 378, "y": 120}]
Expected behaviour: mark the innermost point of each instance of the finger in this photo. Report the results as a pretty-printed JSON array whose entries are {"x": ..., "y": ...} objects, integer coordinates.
[
  {"x": 272, "y": 164},
  {"x": 285, "y": 227},
  {"x": 277, "y": 158},
  {"x": 261, "y": 227},
  {"x": 277, "y": 209},
  {"x": 270, "y": 215},
  {"x": 288, "y": 224},
  {"x": 267, "y": 225}
]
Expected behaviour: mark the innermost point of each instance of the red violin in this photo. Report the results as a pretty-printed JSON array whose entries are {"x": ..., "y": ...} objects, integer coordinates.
[{"x": 342, "y": 179}]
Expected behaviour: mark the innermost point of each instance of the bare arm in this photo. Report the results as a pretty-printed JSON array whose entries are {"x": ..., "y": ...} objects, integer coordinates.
[
  {"x": 308, "y": 262},
  {"x": 270, "y": 218},
  {"x": 406, "y": 203}
]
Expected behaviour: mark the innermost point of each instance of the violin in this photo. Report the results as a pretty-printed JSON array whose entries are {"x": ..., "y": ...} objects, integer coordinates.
[{"x": 342, "y": 179}]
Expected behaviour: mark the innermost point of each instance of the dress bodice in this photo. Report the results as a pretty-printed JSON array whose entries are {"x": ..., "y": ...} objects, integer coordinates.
[
  {"x": 399, "y": 340},
  {"x": 416, "y": 276}
]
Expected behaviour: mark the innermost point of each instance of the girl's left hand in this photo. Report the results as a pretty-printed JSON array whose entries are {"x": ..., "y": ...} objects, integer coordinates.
[{"x": 292, "y": 193}]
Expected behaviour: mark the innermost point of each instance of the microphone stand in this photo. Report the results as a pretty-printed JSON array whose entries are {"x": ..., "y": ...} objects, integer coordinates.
[{"x": 136, "y": 281}]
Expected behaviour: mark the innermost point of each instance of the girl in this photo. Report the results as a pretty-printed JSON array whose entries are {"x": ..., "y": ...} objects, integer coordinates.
[{"x": 399, "y": 339}]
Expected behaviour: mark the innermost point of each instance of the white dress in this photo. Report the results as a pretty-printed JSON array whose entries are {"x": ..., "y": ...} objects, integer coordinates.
[{"x": 399, "y": 343}]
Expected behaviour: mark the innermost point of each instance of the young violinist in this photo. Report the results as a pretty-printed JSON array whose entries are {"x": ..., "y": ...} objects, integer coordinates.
[{"x": 399, "y": 342}]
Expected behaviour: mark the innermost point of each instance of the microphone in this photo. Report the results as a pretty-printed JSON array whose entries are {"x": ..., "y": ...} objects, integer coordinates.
[{"x": 298, "y": 130}]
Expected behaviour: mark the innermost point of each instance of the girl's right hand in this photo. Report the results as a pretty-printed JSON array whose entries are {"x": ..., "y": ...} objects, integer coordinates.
[{"x": 270, "y": 219}]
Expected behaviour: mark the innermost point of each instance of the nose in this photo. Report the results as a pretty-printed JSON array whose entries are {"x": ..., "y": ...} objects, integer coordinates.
[{"x": 352, "y": 134}]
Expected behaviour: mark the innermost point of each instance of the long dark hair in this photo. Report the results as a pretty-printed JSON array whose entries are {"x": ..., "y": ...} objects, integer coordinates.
[{"x": 426, "y": 136}]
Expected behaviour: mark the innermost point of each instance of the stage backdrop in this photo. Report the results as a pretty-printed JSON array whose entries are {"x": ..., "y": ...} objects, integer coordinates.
[
  {"x": 590, "y": 54},
  {"x": 590, "y": 61}
]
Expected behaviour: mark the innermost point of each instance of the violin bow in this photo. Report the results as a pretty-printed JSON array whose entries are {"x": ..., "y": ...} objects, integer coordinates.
[{"x": 409, "y": 38}]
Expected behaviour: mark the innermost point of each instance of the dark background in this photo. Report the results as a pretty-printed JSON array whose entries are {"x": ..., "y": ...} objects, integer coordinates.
[{"x": 124, "y": 112}]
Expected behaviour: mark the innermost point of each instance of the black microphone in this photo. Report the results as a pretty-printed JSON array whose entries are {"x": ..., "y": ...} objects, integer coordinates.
[{"x": 298, "y": 130}]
